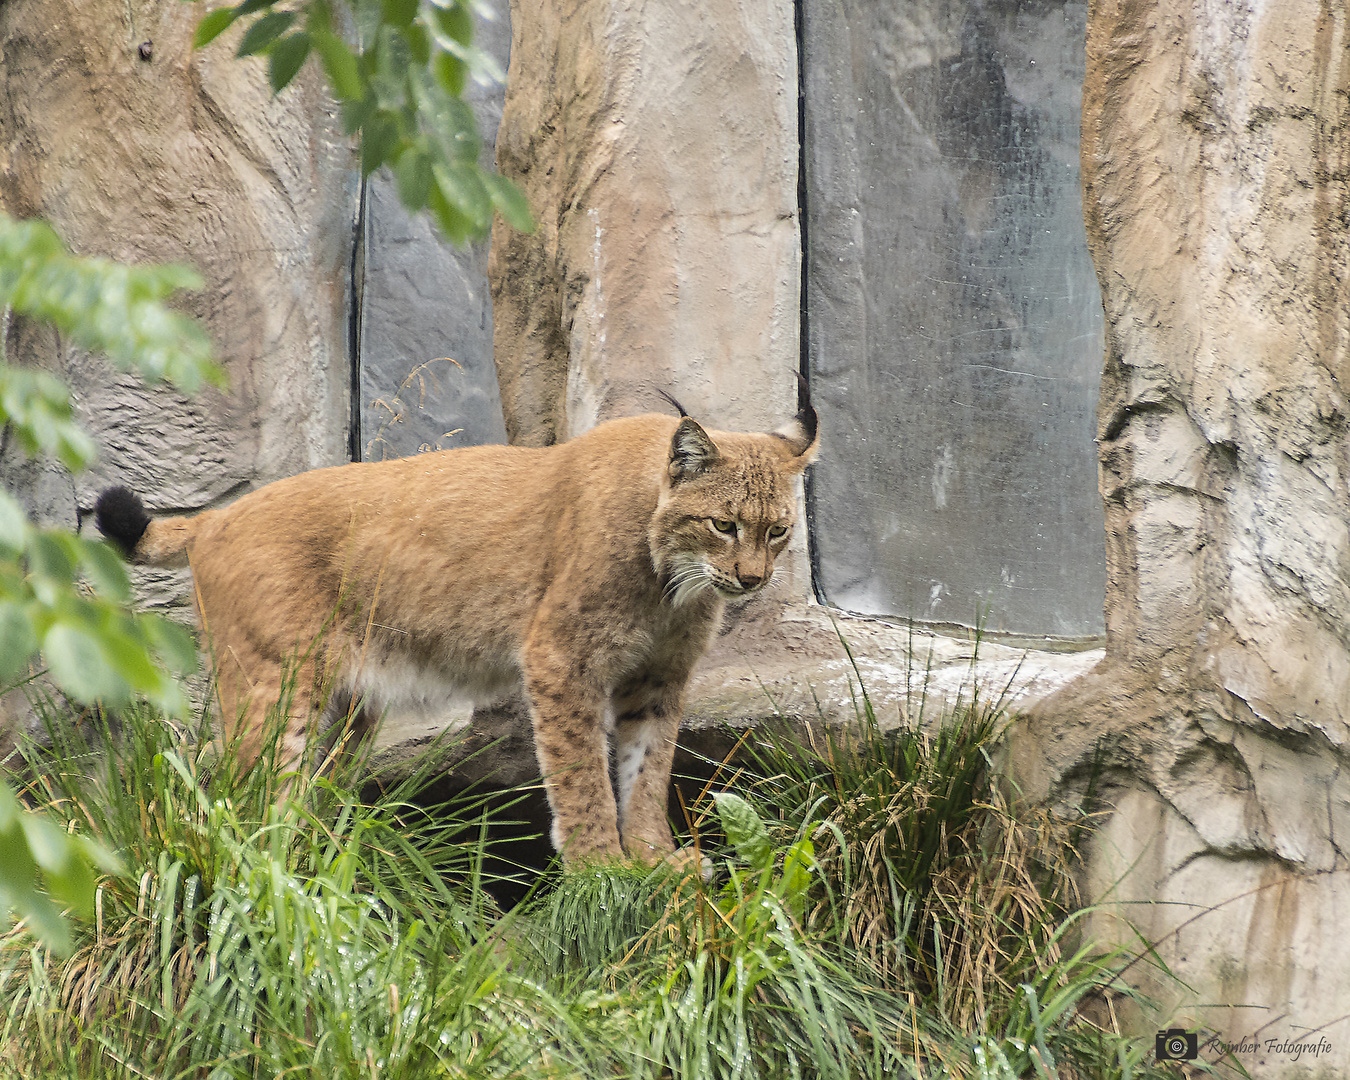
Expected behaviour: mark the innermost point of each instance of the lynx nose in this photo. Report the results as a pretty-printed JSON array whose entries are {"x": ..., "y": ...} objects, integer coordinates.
[{"x": 748, "y": 581}]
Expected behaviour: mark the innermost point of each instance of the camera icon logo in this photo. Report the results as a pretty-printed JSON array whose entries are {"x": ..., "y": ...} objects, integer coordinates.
[{"x": 1174, "y": 1044}]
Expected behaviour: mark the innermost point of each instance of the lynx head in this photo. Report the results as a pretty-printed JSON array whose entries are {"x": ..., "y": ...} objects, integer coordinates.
[{"x": 727, "y": 507}]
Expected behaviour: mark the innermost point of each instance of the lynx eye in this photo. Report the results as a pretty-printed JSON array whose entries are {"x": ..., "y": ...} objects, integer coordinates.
[
  {"x": 724, "y": 526},
  {"x": 776, "y": 531}
]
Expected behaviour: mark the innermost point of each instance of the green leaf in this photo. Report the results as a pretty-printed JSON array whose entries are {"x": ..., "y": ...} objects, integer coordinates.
[
  {"x": 463, "y": 186},
  {"x": 378, "y": 139},
  {"x": 17, "y": 640},
  {"x": 456, "y": 227},
  {"x": 745, "y": 830},
  {"x": 47, "y": 844},
  {"x": 455, "y": 24},
  {"x": 451, "y": 72},
  {"x": 509, "y": 201},
  {"x": 265, "y": 31},
  {"x": 101, "y": 306},
  {"x": 105, "y": 569},
  {"x": 413, "y": 172},
  {"x": 49, "y": 561},
  {"x": 171, "y": 642},
  {"x": 77, "y": 663},
  {"x": 795, "y": 881},
  {"x": 343, "y": 71},
  {"x": 18, "y": 885},
  {"x": 399, "y": 12},
  {"x": 13, "y": 524},
  {"x": 126, "y": 653},
  {"x": 286, "y": 58},
  {"x": 419, "y": 44},
  {"x": 213, "y": 25},
  {"x": 392, "y": 61}
]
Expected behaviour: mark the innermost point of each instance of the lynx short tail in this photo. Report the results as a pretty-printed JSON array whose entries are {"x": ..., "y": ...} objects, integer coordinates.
[{"x": 121, "y": 517}]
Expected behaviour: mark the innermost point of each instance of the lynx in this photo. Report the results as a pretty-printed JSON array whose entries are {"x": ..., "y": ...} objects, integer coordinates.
[{"x": 594, "y": 571}]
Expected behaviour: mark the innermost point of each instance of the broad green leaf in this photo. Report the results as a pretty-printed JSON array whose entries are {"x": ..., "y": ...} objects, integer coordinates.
[
  {"x": 213, "y": 25},
  {"x": 454, "y": 23},
  {"x": 509, "y": 201},
  {"x": 171, "y": 642},
  {"x": 452, "y": 73},
  {"x": 462, "y": 185},
  {"x": 796, "y": 877},
  {"x": 105, "y": 569},
  {"x": 76, "y": 662},
  {"x": 745, "y": 830},
  {"x": 49, "y": 846},
  {"x": 265, "y": 31},
  {"x": 419, "y": 44},
  {"x": 286, "y": 58},
  {"x": 126, "y": 652},
  {"x": 100, "y": 306},
  {"x": 413, "y": 172},
  {"x": 343, "y": 71},
  {"x": 13, "y": 523},
  {"x": 378, "y": 139},
  {"x": 73, "y": 885},
  {"x": 456, "y": 227},
  {"x": 49, "y": 561},
  {"x": 17, "y": 640},
  {"x": 399, "y": 12}
]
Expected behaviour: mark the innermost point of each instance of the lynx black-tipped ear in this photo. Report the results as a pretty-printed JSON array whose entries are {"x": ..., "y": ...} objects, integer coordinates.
[
  {"x": 691, "y": 451},
  {"x": 120, "y": 516},
  {"x": 678, "y": 407}
]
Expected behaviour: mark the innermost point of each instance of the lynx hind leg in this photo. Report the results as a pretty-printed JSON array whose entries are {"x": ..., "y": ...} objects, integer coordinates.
[
  {"x": 267, "y": 710},
  {"x": 646, "y": 725},
  {"x": 572, "y": 744}
]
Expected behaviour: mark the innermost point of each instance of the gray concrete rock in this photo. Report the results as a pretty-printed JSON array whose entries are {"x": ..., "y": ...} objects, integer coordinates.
[
  {"x": 658, "y": 152},
  {"x": 425, "y": 336},
  {"x": 1214, "y": 144}
]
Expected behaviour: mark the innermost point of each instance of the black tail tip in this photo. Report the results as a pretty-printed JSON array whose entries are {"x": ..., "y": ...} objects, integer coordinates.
[{"x": 120, "y": 516}]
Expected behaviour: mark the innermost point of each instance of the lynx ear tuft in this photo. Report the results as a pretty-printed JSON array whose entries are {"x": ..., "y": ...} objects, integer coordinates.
[
  {"x": 802, "y": 434},
  {"x": 670, "y": 398},
  {"x": 691, "y": 451}
]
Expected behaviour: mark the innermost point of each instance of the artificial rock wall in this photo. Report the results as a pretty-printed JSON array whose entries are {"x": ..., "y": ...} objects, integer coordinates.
[
  {"x": 1216, "y": 173},
  {"x": 137, "y": 148},
  {"x": 657, "y": 144}
]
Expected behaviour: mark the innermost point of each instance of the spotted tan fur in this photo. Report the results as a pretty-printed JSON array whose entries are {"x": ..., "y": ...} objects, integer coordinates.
[{"x": 595, "y": 571}]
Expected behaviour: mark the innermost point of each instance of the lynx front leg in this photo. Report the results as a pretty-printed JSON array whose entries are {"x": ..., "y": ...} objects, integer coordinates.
[
  {"x": 647, "y": 722},
  {"x": 573, "y": 749}
]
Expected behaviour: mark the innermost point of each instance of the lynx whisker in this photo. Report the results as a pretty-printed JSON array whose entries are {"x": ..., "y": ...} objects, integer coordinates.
[{"x": 688, "y": 580}]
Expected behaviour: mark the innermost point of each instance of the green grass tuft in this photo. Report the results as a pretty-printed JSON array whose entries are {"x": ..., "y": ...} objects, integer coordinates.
[{"x": 877, "y": 909}]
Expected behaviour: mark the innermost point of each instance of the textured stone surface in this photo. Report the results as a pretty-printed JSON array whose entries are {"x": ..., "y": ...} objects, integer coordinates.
[
  {"x": 781, "y": 661},
  {"x": 657, "y": 146},
  {"x": 1216, "y": 140},
  {"x": 185, "y": 157}
]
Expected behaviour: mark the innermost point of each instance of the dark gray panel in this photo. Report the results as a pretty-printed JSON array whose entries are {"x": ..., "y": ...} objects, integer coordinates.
[
  {"x": 954, "y": 321},
  {"x": 423, "y": 301}
]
